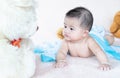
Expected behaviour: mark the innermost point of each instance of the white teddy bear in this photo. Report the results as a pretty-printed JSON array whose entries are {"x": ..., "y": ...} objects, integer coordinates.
[{"x": 17, "y": 24}]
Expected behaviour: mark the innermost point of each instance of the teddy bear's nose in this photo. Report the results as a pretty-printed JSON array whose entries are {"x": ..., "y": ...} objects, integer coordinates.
[{"x": 37, "y": 28}]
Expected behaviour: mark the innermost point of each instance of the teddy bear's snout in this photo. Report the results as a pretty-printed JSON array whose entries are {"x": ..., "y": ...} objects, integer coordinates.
[{"x": 37, "y": 28}]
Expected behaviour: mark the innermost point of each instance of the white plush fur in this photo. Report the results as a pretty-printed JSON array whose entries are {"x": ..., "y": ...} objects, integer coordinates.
[
  {"x": 78, "y": 68},
  {"x": 17, "y": 21}
]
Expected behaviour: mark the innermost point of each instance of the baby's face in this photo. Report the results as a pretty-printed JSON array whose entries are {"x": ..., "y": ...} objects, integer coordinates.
[{"x": 72, "y": 30}]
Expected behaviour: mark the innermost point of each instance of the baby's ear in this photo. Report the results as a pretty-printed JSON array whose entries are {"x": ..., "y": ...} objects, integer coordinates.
[{"x": 86, "y": 32}]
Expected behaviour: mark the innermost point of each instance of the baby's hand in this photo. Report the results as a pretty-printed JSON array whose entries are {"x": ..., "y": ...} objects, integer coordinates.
[
  {"x": 104, "y": 67},
  {"x": 60, "y": 63}
]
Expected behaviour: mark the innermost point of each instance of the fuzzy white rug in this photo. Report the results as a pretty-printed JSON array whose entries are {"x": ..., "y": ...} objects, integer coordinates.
[{"x": 77, "y": 68}]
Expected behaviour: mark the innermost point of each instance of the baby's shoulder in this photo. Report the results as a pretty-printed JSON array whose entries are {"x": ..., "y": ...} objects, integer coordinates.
[{"x": 90, "y": 40}]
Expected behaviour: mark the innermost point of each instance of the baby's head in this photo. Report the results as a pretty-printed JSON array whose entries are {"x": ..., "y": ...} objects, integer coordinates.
[{"x": 77, "y": 23}]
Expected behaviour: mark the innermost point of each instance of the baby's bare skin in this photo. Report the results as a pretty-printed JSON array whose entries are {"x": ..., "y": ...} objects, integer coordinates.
[
  {"x": 79, "y": 49},
  {"x": 84, "y": 48}
]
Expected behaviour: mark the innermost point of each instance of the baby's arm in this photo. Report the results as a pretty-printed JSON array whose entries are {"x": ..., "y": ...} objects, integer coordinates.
[
  {"x": 61, "y": 56},
  {"x": 101, "y": 56}
]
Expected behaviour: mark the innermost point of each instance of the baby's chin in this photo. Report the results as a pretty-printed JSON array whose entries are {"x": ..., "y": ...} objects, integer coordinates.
[{"x": 67, "y": 39}]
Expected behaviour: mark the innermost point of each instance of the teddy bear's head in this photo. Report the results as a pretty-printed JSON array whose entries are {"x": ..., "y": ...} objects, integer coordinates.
[
  {"x": 115, "y": 27},
  {"x": 18, "y": 19}
]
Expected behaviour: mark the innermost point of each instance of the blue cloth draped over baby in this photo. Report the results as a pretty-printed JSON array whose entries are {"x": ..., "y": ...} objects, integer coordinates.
[{"x": 48, "y": 49}]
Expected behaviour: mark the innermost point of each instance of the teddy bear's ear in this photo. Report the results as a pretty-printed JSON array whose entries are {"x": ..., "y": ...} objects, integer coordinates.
[
  {"x": 115, "y": 27},
  {"x": 59, "y": 33}
]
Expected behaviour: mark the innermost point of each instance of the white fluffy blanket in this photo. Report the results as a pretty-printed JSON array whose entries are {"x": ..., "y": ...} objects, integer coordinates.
[{"x": 77, "y": 68}]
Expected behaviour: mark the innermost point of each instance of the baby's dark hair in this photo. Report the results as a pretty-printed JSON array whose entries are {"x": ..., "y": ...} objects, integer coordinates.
[{"x": 84, "y": 15}]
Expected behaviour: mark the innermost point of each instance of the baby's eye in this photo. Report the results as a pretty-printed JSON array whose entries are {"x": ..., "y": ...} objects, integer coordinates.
[
  {"x": 71, "y": 29},
  {"x": 65, "y": 26}
]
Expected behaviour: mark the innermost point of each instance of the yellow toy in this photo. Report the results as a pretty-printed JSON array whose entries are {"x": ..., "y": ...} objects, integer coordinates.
[
  {"x": 115, "y": 27},
  {"x": 59, "y": 33}
]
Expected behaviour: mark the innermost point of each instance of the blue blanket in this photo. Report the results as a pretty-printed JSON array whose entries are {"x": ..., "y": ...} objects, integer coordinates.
[
  {"x": 48, "y": 50},
  {"x": 98, "y": 33}
]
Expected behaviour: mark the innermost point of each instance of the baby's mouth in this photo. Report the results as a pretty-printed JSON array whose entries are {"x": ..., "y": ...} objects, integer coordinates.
[{"x": 65, "y": 35}]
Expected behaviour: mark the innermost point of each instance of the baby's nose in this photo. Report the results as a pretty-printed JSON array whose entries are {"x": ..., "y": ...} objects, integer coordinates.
[{"x": 66, "y": 31}]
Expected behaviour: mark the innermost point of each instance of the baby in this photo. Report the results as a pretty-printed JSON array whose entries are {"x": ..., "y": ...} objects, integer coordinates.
[{"x": 77, "y": 41}]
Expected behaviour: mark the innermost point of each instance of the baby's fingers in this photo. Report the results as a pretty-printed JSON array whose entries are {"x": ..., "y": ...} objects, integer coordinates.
[
  {"x": 104, "y": 67},
  {"x": 59, "y": 65}
]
